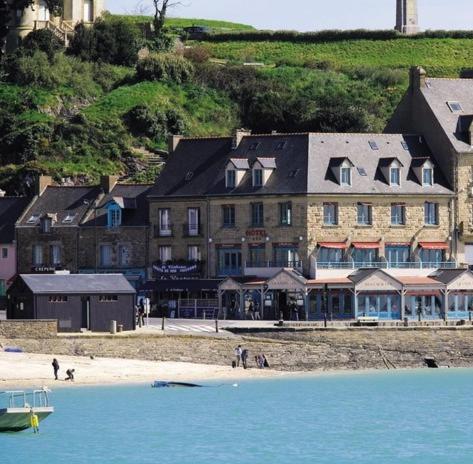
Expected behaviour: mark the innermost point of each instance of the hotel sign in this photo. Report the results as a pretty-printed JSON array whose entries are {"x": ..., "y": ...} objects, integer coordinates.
[{"x": 256, "y": 235}]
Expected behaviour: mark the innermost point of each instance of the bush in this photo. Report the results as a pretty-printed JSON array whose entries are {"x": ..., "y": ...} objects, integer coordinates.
[
  {"x": 43, "y": 40},
  {"x": 112, "y": 42},
  {"x": 143, "y": 121},
  {"x": 197, "y": 54},
  {"x": 165, "y": 67}
]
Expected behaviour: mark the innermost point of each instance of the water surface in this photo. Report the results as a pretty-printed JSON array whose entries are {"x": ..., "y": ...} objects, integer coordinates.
[{"x": 393, "y": 417}]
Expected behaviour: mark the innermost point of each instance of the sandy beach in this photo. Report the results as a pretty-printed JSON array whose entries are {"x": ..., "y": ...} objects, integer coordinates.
[{"x": 26, "y": 370}]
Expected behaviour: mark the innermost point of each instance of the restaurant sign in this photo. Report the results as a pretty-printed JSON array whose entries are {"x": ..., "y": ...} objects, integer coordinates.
[
  {"x": 255, "y": 235},
  {"x": 177, "y": 269}
]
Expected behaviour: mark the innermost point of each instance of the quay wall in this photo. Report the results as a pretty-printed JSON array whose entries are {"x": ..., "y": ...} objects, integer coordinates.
[
  {"x": 13, "y": 329},
  {"x": 289, "y": 351}
]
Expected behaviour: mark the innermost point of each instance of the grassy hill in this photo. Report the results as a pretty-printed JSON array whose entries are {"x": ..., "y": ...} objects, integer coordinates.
[
  {"x": 72, "y": 120},
  {"x": 441, "y": 57}
]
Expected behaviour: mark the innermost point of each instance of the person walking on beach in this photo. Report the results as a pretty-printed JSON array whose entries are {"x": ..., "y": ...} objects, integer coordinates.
[
  {"x": 55, "y": 365},
  {"x": 34, "y": 421},
  {"x": 244, "y": 358},
  {"x": 265, "y": 361},
  {"x": 238, "y": 355}
]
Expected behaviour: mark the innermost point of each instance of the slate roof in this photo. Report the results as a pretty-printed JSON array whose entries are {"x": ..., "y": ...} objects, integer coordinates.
[
  {"x": 131, "y": 197},
  {"x": 447, "y": 275},
  {"x": 62, "y": 201},
  {"x": 11, "y": 208},
  {"x": 77, "y": 283},
  {"x": 305, "y": 165},
  {"x": 437, "y": 93}
]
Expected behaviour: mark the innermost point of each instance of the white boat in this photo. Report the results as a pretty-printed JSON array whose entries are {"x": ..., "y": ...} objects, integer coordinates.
[{"x": 16, "y": 416}]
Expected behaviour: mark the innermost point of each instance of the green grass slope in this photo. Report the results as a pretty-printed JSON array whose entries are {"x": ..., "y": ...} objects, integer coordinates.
[{"x": 441, "y": 57}]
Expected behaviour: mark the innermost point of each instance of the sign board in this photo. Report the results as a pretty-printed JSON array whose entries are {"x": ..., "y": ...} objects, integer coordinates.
[
  {"x": 379, "y": 281},
  {"x": 286, "y": 280},
  {"x": 256, "y": 235},
  {"x": 176, "y": 269},
  {"x": 463, "y": 282}
]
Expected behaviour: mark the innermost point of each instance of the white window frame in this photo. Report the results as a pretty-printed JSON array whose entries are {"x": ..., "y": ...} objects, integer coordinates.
[
  {"x": 165, "y": 253},
  {"x": 345, "y": 169},
  {"x": 38, "y": 255},
  {"x": 193, "y": 224},
  {"x": 194, "y": 253},
  {"x": 56, "y": 257},
  {"x": 391, "y": 172}
]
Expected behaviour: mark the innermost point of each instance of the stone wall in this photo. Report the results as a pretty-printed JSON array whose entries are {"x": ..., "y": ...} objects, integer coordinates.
[
  {"x": 301, "y": 351},
  {"x": 34, "y": 329}
]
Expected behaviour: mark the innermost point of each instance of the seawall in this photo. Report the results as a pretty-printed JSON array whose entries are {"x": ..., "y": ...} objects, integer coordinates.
[{"x": 288, "y": 351}]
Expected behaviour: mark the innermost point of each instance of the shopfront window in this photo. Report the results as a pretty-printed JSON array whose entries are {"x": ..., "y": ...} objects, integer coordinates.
[
  {"x": 286, "y": 256},
  {"x": 229, "y": 262},
  {"x": 383, "y": 306},
  {"x": 365, "y": 257},
  {"x": 397, "y": 255},
  {"x": 431, "y": 258},
  {"x": 425, "y": 306},
  {"x": 257, "y": 256},
  {"x": 330, "y": 255},
  {"x": 460, "y": 305}
]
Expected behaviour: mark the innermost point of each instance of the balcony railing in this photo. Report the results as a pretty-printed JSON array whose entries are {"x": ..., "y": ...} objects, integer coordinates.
[
  {"x": 274, "y": 264},
  {"x": 191, "y": 230},
  {"x": 164, "y": 231},
  {"x": 386, "y": 265}
]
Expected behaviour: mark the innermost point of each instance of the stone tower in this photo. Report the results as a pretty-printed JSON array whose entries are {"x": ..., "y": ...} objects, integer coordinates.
[{"x": 407, "y": 18}]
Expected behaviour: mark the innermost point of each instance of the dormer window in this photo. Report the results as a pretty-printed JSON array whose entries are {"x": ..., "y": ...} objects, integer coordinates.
[
  {"x": 395, "y": 176},
  {"x": 427, "y": 176},
  {"x": 114, "y": 216},
  {"x": 345, "y": 176},
  {"x": 257, "y": 177},
  {"x": 230, "y": 178}
]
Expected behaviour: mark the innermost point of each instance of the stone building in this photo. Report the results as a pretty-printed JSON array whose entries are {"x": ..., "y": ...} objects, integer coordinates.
[
  {"x": 38, "y": 16},
  {"x": 48, "y": 231},
  {"x": 442, "y": 110},
  {"x": 96, "y": 229},
  {"x": 319, "y": 205},
  {"x": 114, "y": 234}
]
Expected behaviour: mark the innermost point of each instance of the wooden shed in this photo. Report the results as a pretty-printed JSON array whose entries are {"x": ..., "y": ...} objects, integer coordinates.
[{"x": 77, "y": 301}]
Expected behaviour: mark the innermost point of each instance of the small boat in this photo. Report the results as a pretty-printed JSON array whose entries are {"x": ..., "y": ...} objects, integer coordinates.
[
  {"x": 163, "y": 384},
  {"x": 17, "y": 414}
]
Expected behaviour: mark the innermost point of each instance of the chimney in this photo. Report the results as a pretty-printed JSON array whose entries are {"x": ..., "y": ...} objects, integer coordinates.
[
  {"x": 108, "y": 182},
  {"x": 173, "y": 142},
  {"x": 239, "y": 134},
  {"x": 417, "y": 78},
  {"x": 42, "y": 183}
]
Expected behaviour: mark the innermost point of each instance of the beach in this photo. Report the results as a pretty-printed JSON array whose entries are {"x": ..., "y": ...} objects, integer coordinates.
[{"x": 27, "y": 370}]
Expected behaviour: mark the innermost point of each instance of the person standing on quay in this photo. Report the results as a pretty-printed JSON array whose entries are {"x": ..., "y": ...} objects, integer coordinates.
[{"x": 55, "y": 365}]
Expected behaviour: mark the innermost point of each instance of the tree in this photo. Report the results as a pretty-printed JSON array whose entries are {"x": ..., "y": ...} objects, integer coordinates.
[
  {"x": 161, "y": 8},
  {"x": 8, "y": 9}
]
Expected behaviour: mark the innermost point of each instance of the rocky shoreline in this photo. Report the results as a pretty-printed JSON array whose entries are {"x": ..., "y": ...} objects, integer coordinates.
[{"x": 319, "y": 350}]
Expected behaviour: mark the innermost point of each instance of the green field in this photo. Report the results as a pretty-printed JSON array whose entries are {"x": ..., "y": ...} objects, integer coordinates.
[
  {"x": 440, "y": 57},
  {"x": 179, "y": 23}
]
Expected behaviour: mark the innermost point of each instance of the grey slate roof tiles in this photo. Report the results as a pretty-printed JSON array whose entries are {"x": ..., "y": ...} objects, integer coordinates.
[
  {"x": 304, "y": 165},
  {"x": 77, "y": 283},
  {"x": 438, "y": 93},
  {"x": 11, "y": 208}
]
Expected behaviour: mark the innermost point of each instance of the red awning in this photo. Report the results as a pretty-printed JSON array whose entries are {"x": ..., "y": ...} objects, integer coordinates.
[
  {"x": 338, "y": 245},
  {"x": 434, "y": 245},
  {"x": 366, "y": 245}
]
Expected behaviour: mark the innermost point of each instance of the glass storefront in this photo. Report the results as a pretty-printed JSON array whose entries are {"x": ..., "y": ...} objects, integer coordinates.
[
  {"x": 383, "y": 306},
  {"x": 428, "y": 306},
  {"x": 460, "y": 304}
]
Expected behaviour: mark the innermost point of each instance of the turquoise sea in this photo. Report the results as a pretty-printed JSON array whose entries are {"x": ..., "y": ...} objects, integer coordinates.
[{"x": 392, "y": 417}]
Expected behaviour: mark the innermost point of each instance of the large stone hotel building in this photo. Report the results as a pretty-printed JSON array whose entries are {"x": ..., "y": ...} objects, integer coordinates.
[{"x": 302, "y": 226}]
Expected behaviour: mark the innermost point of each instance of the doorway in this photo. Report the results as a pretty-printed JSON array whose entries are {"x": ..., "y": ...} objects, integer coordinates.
[
  {"x": 88, "y": 11},
  {"x": 43, "y": 13},
  {"x": 85, "y": 322}
]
